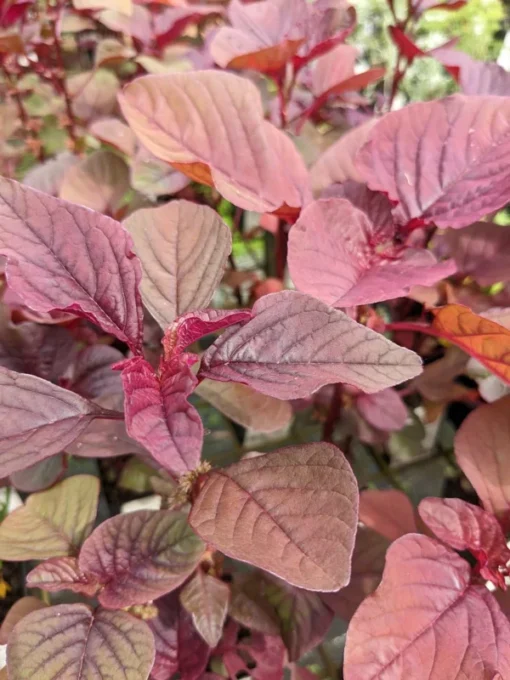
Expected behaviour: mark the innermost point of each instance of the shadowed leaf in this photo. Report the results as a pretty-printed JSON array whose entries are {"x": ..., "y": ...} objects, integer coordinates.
[
  {"x": 389, "y": 512},
  {"x": 206, "y": 598},
  {"x": 19, "y": 609}
]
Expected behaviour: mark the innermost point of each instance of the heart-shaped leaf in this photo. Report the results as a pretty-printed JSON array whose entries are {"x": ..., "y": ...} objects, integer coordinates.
[
  {"x": 38, "y": 419},
  {"x": 52, "y": 523},
  {"x": 140, "y": 556},
  {"x": 338, "y": 255},
  {"x": 264, "y": 525},
  {"x": 481, "y": 338},
  {"x": 384, "y": 410},
  {"x": 482, "y": 449},
  {"x": 61, "y": 573},
  {"x": 439, "y": 625},
  {"x": 295, "y": 344},
  {"x": 206, "y": 598},
  {"x": 159, "y": 416},
  {"x": 179, "y": 647},
  {"x": 468, "y": 527},
  {"x": 94, "y": 93},
  {"x": 71, "y": 641},
  {"x": 227, "y": 115},
  {"x": 245, "y": 406},
  {"x": 458, "y": 176},
  {"x": 183, "y": 248},
  {"x": 64, "y": 257},
  {"x": 389, "y": 512}
]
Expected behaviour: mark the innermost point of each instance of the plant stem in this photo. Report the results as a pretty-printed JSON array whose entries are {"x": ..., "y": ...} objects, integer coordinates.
[
  {"x": 335, "y": 409},
  {"x": 61, "y": 83},
  {"x": 413, "y": 327}
]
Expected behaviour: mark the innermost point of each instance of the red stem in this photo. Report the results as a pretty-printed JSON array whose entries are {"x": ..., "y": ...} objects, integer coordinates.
[
  {"x": 282, "y": 241},
  {"x": 413, "y": 327},
  {"x": 335, "y": 408}
]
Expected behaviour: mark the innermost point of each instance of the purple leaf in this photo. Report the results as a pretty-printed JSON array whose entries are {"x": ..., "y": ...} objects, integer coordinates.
[
  {"x": 206, "y": 598},
  {"x": 385, "y": 410},
  {"x": 426, "y": 622},
  {"x": 44, "y": 351},
  {"x": 468, "y": 527},
  {"x": 71, "y": 641},
  {"x": 159, "y": 416},
  {"x": 93, "y": 375},
  {"x": 183, "y": 248},
  {"x": 339, "y": 256},
  {"x": 179, "y": 647},
  {"x": 250, "y": 607},
  {"x": 245, "y": 406},
  {"x": 458, "y": 176},
  {"x": 227, "y": 111},
  {"x": 480, "y": 250},
  {"x": 62, "y": 573},
  {"x": 140, "y": 556},
  {"x": 264, "y": 525},
  {"x": 39, "y": 476},
  {"x": 476, "y": 77},
  {"x": 52, "y": 523},
  {"x": 295, "y": 344},
  {"x": 67, "y": 258},
  {"x": 38, "y": 419}
]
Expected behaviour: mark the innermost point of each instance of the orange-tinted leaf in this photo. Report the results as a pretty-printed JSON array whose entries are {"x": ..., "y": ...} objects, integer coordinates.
[{"x": 481, "y": 338}]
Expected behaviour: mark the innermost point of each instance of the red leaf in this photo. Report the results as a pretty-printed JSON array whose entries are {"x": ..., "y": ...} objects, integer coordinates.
[
  {"x": 64, "y": 257},
  {"x": 426, "y": 622},
  {"x": 390, "y": 513},
  {"x": 467, "y": 527},
  {"x": 458, "y": 176},
  {"x": 482, "y": 449},
  {"x": 179, "y": 648},
  {"x": 38, "y": 419},
  {"x": 264, "y": 526},
  {"x": 405, "y": 45},
  {"x": 339, "y": 256},
  {"x": 295, "y": 344},
  {"x": 139, "y": 556},
  {"x": 172, "y": 22},
  {"x": 62, "y": 573},
  {"x": 159, "y": 416}
]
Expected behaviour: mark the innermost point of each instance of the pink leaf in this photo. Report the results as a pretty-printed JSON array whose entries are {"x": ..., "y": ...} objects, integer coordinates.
[
  {"x": 99, "y": 182},
  {"x": 367, "y": 568},
  {"x": 139, "y": 556},
  {"x": 468, "y": 527},
  {"x": 426, "y": 622},
  {"x": 458, "y": 176},
  {"x": 70, "y": 640},
  {"x": 179, "y": 647},
  {"x": 337, "y": 163},
  {"x": 333, "y": 68},
  {"x": 385, "y": 410},
  {"x": 264, "y": 526},
  {"x": 190, "y": 327},
  {"x": 64, "y": 257},
  {"x": 268, "y": 175},
  {"x": 172, "y": 23},
  {"x": 38, "y": 419},
  {"x": 476, "y": 77},
  {"x": 48, "y": 176},
  {"x": 206, "y": 598},
  {"x": 138, "y": 24},
  {"x": 295, "y": 344},
  {"x": 153, "y": 177},
  {"x": 480, "y": 250},
  {"x": 114, "y": 132},
  {"x": 390, "y": 513},
  {"x": 482, "y": 449},
  {"x": 268, "y": 653},
  {"x": 93, "y": 93},
  {"x": 61, "y": 573},
  {"x": 340, "y": 257},
  {"x": 183, "y": 248},
  {"x": 245, "y": 406},
  {"x": 159, "y": 416}
]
